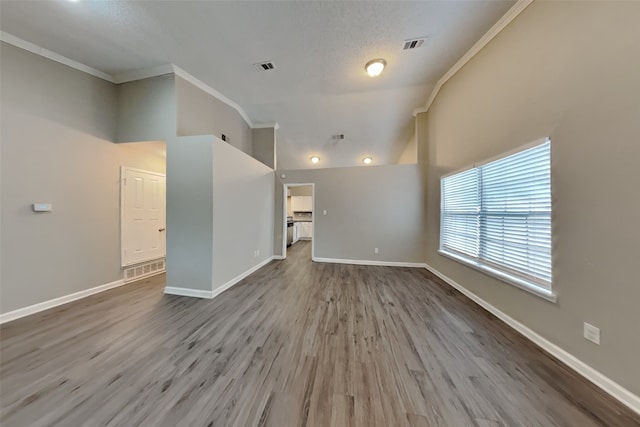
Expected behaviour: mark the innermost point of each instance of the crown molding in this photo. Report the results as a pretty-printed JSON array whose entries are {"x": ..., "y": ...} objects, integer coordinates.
[
  {"x": 142, "y": 73},
  {"x": 126, "y": 76},
  {"x": 211, "y": 91},
  {"x": 38, "y": 50},
  {"x": 275, "y": 125},
  {"x": 506, "y": 19}
]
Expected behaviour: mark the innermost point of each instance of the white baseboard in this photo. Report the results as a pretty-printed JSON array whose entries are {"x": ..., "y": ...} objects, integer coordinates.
[
  {"x": 369, "y": 262},
  {"x": 605, "y": 383},
  {"x": 32, "y": 309},
  {"x": 197, "y": 293},
  {"x": 279, "y": 257},
  {"x": 230, "y": 283},
  {"x": 187, "y": 292}
]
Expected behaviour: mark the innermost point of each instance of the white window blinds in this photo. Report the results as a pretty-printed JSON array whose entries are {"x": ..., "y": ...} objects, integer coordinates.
[{"x": 498, "y": 215}]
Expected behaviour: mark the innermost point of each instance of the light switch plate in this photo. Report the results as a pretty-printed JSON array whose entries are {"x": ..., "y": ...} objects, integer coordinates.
[{"x": 42, "y": 207}]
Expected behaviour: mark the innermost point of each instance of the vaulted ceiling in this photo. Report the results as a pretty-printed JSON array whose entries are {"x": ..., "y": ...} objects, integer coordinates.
[{"x": 318, "y": 87}]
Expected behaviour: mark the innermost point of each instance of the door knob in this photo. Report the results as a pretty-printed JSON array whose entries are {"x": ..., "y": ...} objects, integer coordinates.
[{"x": 161, "y": 229}]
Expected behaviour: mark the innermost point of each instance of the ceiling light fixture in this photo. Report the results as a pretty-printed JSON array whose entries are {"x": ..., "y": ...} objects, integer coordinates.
[
  {"x": 367, "y": 160},
  {"x": 375, "y": 67},
  {"x": 315, "y": 159}
]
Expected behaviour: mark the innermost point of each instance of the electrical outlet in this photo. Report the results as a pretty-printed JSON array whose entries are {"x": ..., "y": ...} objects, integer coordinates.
[
  {"x": 591, "y": 333},
  {"x": 376, "y": 250}
]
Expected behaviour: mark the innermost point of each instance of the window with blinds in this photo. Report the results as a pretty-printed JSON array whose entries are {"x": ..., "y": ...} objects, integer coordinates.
[{"x": 497, "y": 217}]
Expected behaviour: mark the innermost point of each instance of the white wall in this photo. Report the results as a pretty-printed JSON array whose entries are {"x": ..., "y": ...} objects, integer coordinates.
[
  {"x": 199, "y": 113},
  {"x": 243, "y": 193},
  {"x": 410, "y": 152},
  {"x": 146, "y": 109},
  {"x": 56, "y": 128},
  {"x": 571, "y": 71},
  {"x": 189, "y": 212},
  {"x": 219, "y": 212},
  {"x": 264, "y": 146},
  {"x": 367, "y": 207}
]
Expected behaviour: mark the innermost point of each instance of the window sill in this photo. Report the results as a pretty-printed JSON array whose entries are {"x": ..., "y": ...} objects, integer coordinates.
[{"x": 532, "y": 288}]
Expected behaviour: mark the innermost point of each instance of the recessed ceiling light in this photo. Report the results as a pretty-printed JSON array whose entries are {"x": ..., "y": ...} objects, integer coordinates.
[
  {"x": 367, "y": 160},
  {"x": 375, "y": 67},
  {"x": 315, "y": 159}
]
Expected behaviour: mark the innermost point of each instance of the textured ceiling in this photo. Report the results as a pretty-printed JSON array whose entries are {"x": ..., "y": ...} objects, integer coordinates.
[{"x": 319, "y": 87}]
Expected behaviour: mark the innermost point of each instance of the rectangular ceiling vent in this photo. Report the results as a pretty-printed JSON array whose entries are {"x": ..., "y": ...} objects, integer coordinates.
[
  {"x": 413, "y": 43},
  {"x": 264, "y": 66}
]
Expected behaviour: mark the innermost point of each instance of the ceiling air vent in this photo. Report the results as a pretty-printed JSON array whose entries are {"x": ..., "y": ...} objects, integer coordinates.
[
  {"x": 265, "y": 66},
  {"x": 413, "y": 43}
]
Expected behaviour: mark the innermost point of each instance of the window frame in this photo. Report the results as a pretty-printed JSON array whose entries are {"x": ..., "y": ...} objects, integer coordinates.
[{"x": 499, "y": 272}]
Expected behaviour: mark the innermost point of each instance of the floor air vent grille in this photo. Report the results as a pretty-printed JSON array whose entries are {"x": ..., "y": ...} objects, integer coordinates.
[{"x": 146, "y": 269}]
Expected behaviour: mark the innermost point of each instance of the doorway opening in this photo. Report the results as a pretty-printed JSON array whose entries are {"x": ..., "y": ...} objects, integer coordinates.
[
  {"x": 142, "y": 209},
  {"x": 298, "y": 215}
]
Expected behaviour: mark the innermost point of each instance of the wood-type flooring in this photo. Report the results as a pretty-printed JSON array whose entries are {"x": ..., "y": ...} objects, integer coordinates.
[{"x": 295, "y": 344}]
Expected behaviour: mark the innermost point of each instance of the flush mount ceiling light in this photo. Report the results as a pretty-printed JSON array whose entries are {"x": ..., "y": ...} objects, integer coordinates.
[
  {"x": 367, "y": 160},
  {"x": 315, "y": 159},
  {"x": 375, "y": 67}
]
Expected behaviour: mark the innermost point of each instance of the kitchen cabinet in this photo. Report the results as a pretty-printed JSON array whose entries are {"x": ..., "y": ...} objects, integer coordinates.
[
  {"x": 295, "y": 203},
  {"x": 295, "y": 233},
  {"x": 307, "y": 203},
  {"x": 305, "y": 230},
  {"x": 301, "y": 203}
]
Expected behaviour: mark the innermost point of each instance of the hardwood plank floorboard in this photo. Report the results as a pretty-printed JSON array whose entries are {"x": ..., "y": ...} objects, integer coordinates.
[{"x": 296, "y": 343}]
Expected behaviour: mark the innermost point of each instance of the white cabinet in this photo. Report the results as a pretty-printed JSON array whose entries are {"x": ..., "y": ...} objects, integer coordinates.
[
  {"x": 301, "y": 203},
  {"x": 295, "y": 203},
  {"x": 295, "y": 233},
  {"x": 302, "y": 231},
  {"x": 307, "y": 203},
  {"x": 305, "y": 230}
]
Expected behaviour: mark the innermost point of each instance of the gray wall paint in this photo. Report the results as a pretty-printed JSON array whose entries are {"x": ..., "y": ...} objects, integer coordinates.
[
  {"x": 150, "y": 156},
  {"x": 190, "y": 212},
  {"x": 57, "y": 128},
  {"x": 57, "y": 94},
  {"x": 56, "y": 124},
  {"x": 146, "y": 109},
  {"x": 410, "y": 153},
  {"x": 568, "y": 70},
  {"x": 219, "y": 211},
  {"x": 242, "y": 212},
  {"x": 367, "y": 207},
  {"x": 264, "y": 146},
  {"x": 199, "y": 113}
]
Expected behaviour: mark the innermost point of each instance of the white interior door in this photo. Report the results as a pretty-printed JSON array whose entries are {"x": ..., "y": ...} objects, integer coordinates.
[{"x": 143, "y": 216}]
